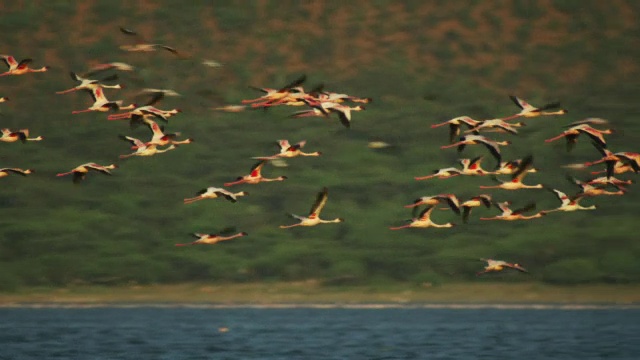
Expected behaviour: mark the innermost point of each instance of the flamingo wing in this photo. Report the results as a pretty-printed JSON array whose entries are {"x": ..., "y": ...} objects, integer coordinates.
[{"x": 321, "y": 200}]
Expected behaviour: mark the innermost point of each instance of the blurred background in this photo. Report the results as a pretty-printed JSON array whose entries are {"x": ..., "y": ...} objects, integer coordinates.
[{"x": 422, "y": 62}]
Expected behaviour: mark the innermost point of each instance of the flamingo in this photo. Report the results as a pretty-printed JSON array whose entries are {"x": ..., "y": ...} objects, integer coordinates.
[
  {"x": 274, "y": 94},
  {"x": 495, "y": 124},
  {"x": 469, "y": 167},
  {"x": 451, "y": 200},
  {"x": 444, "y": 173},
  {"x": 611, "y": 159},
  {"x": 102, "y": 104},
  {"x": 530, "y": 111},
  {"x": 337, "y": 97},
  {"x": 3, "y": 99},
  {"x": 590, "y": 190},
  {"x": 476, "y": 201},
  {"x": 231, "y": 108},
  {"x": 511, "y": 215},
  {"x": 80, "y": 171},
  {"x": 609, "y": 180},
  {"x": 215, "y": 192},
  {"x": 493, "y": 146},
  {"x": 288, "y": 151},
  {"x": 569, "y": 203},
  {"x": 313, "y": 218},
  {"x": 120, "y": 66},
  {"x": 571, "y": 135},
  {"x": 516, "y": 178},
  {"x": 509, "y": 167},
  {"x": 454, "y": 126},
  {"x": 618, "y": 168},
  {"x": 19, "y": 68},
  {"x": 143, "y": 149},
  {"x": 88, "y": 84},
  {"x": 210, "y": 239},
  {"x": 472, "y": 167},
  {"x": 22, "y": 135},
  {"x": 6, "y": 171},
  {"x": 423, "y": 221},
  {"x": 499, "y": 265},
  {"x": 142, "y": 45},
  {"x": 343, "y": 111},
  {"x": 255, "y": 176},
  {"x": 148, "y": 109},
  {"x": 159, "y": 138}
]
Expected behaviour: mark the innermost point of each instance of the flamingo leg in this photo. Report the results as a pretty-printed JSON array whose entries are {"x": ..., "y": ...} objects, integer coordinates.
[
  {"x": 193, "y": 199},
  {"x": 438, "y": 125},
  {"x": 555, "y": 138},
  {"x": 288, "y": 226},
  {"x": 65, "y": 174},
  {"x": 450, "y": 145},
  {"x": 235, "y": 182},
  {"x": 67, "y": 91},
  {"x": 81, "y": 111},
  {"x": 400, "y": 227}
]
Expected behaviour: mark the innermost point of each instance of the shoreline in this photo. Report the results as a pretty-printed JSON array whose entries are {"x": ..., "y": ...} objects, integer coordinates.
[{"x": 311, "y": 294}]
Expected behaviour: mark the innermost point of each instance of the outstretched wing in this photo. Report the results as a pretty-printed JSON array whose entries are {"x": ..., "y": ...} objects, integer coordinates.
[{"x": 321, "y": 200}]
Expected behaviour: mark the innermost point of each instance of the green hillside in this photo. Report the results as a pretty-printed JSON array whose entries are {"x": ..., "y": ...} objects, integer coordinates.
[{"x": 422, "y": 62}]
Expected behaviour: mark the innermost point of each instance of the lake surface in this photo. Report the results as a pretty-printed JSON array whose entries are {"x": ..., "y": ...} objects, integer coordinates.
[{"x": 318, "y": 333}]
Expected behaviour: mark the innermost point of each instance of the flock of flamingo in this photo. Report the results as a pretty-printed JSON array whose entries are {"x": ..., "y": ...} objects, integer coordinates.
[{"x": 319, "y": 102}]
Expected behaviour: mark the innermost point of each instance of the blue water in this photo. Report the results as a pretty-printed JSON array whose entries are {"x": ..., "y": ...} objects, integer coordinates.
[{"x": 414, "y": 333}]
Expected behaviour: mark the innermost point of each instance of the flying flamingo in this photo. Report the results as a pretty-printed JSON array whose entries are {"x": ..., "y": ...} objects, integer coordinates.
[
  {"x": 509, "y": 167},
  {"x": 530, "y": 111},
  {"x": 314, "y": 214},
  {"x": 337, "y": 97},
  {"x": 611, "y": 159},
  {"x": 476, "y": 201},
  {"x": 88, "y": 84},
  {"x": 423, "y": 221},
  {"x": 571, "y": 135},
  {"x": 444, "y": 173},
  {"x": 288, "y": 151},
  {"x": 120, "y": 66},
  {"x": 142, "y": 45},
  {"x": 102, "y": 104},
  {"x": 80, "y": 171},
  {"x": 3, "y": 99},
  {"x": 19, "y": 68},
  {"x": 493, "y": 146},
  {"x": 255, "y": 176},
  {"x": 6, "y": 171},
  {"x": 343, "y": 111},
  {"x": 516, "y": 178},
  {"x": 569, "y": 203},
  {"x": 160, "y": 138},
  {"x": 451, "y": 200},
  {"x": 454, "y": 126},
  {"x": 511, "y": 215},
  {"x": 499, "y": 265},
  {"x": 469, "y": 167},
  {"x": 210, "y": 239},
  {"x": 214, "y": 193},
  {"x": 22, "y": 135},
  {"x": 609, "y": 180},
  {"x": 143, "y": 149},
  {"x": 148, "y": 109},
  {"x": 495, "y": 124},
  {"x": 274, "y": 94},
  {"x": 590, "y": 190}
]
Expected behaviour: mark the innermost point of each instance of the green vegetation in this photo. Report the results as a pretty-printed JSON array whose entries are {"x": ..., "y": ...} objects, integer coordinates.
[{"x": 119, "y": 230}]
